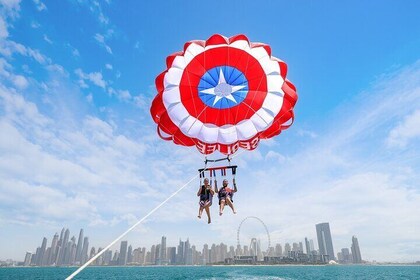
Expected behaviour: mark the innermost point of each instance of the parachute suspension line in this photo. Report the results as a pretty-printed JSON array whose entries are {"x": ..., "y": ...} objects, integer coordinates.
[{"x": 132, "y": 227}]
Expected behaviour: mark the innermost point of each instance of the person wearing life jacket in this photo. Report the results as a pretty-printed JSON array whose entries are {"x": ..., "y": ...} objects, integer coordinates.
[
  {"x": 205, "y": 192},
  {"x": 225, "y": 195}
]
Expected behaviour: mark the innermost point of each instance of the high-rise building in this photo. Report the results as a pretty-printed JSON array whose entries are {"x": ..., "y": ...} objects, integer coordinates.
[
  {"x": 271, "y": 251},
  {"x": 246, "y": 251},
  {"x": 53, "y": 254},
  {"x": 325, "y": 243},
  {"x": 295, "y": 247},
  {"x": 92, "y": 252},
  {"x": 153, "y": 254},
  {"x": 238, "y": 251},
  {"x": 171, "y": 255},
  {"x": 85, "y": 247},
  {"x": 27, "y": 260},
  {"x": 180, "y": 253},
  {"x": 307, "y": 246},
  {"x": 278, "y": 250},
  {"x": 63, "y": 246},
  {"x": 79, "y": 247},
  {"x": 188, "y": 253},
  {"x": 157, "y": 252},
  {"x": 123, "y": 253},
  {"x": 213, "y": 254},
  {"x": 355, "y": 250},
  {"x": 311, "y": 245},
  {"x": 205, "y": 254},
  {"x": 40, "y": 256},
  {"x": 253, "y": 247},
  {"x": 345, "y": 256},
  {"x": 107, "y": 257},
  {"x": 130, "y": 254},
  {"x": 60, "y": 241},
  {"x": 287, "y": 249},
  {"x": 162, "y": 253},
  {"x": 72, "y": 251}
]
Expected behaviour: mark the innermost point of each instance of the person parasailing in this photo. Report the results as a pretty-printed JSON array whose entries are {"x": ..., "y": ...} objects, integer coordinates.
[
  {"x": 225, "y": 195},
  {"x": 205, "y": 192}
]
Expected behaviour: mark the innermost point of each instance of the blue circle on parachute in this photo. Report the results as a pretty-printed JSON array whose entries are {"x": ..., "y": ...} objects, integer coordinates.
[{"x": 217, "y": 95}]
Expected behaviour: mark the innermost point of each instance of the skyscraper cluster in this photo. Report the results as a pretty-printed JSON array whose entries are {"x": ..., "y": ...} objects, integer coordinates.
[
  {"x": 354, "y": 256},
  {"x": 65, "y": 251}
]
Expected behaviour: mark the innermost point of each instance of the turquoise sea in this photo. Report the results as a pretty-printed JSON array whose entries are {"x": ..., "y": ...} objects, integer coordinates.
[{"x": 220, "y": 272}]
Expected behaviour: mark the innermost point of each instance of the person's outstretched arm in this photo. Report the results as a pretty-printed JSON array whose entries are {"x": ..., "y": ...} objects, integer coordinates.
[{"x": 199, "y": 191}]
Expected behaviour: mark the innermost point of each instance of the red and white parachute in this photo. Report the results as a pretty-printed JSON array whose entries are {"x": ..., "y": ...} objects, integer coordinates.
[{"x": 223, "y": 94}]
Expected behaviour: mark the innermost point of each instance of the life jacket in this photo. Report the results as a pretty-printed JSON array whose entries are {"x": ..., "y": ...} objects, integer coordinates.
[
  {"x": 205, "y": 194},
  {"x": 225, "y": 191}
]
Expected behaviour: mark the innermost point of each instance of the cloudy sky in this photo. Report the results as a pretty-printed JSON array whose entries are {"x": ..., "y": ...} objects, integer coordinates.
[{"x": 78, "y": 147}]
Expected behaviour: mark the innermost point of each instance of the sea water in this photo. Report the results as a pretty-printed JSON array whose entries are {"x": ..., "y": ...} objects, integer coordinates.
[{"x": 339, "y": 272}]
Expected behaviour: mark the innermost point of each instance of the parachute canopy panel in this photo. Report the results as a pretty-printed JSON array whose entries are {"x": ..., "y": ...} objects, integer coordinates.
[{"x": 223, "y": 94}]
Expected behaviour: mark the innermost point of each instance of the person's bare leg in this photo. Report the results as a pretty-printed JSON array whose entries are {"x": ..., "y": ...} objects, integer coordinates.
[
  {"x": 222, "y": 206},
  {"x": 230, "y": 205},
  {"x": 200, "y": 211},
  {"x": 208, "y": 214}
]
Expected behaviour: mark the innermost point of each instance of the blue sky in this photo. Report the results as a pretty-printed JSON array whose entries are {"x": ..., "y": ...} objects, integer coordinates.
[{"x": 79, "y": 149}]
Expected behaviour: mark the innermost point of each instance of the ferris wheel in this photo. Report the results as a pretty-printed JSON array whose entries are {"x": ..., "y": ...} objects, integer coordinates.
[{"x": 261, "y": 222}]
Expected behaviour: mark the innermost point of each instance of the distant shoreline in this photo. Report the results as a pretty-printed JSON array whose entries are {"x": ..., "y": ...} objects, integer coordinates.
[{"x": 219, "y": 265}]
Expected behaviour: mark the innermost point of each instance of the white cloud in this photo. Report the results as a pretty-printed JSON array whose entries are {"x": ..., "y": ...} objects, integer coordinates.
[
  {"x": 94, "y": 77},
  {"x": 20, "y": 81},
  {"x": 3, "y": 29},
  {"x": 46, "y": 39},
  {"x": 40, "y": 6},
  {"x": 19, "y": 110},
  {"x": 75, "y": 52},
  {"x": 120, "y": 94},
  {"x": 406, "y": 131},
  {"x": 57, "y": 69},
  {"x": 310, "y": 134},
  {"x": 4, "y": 67},
  {"x": 35, "y": 25},
  {"x": 89, "y": 98},
  {"x": 108, "y": 66},
  {"x": 141, "y": 101},
  {"x": 10, "y": 8},
  {"x": 101, "y": 40},
  {"x": 8, "y": 48},
  {"x": 124, "y": 94},
  {"x": 96, "y": 9},
  {"x": 97, "y": 79},
  {"x": 37, "y": 203},
  {"x": 272, "y": 155},
  {"x": 103, "y": 19}
]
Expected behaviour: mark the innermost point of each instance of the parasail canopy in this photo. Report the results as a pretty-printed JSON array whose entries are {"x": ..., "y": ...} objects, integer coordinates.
[{"x": 223, "y": 94}]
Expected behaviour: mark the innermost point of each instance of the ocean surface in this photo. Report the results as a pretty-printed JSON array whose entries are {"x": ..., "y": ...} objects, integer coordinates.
[{"x": 219, "y": 272}]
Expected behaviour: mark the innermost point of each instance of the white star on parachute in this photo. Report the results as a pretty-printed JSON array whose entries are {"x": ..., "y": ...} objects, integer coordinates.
[{"x": 222, "y": 89}]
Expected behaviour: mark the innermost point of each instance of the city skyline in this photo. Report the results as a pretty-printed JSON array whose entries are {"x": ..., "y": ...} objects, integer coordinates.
[{"x": 64, "y": 252}]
